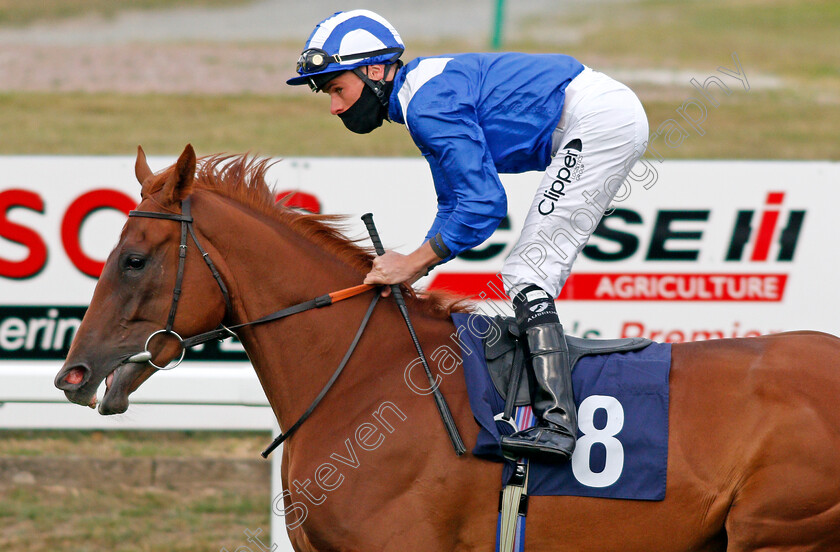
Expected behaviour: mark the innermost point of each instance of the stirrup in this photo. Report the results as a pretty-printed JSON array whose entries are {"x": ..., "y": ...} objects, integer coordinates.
[{"x": 540, "y": 442}]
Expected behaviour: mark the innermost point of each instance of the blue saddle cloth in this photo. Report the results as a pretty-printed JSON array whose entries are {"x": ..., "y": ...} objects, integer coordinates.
[{"x": 622, "y": 399}]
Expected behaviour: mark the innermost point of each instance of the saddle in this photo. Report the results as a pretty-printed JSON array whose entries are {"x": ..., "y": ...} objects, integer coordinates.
[{"x": 506, "y": 359}]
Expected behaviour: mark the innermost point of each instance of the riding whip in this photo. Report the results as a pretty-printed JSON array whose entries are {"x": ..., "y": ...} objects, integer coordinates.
[{"x": 443, "y": 408}]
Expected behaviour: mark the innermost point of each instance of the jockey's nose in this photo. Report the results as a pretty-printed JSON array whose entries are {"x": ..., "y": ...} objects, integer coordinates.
[{"x": 337, "y": 105}]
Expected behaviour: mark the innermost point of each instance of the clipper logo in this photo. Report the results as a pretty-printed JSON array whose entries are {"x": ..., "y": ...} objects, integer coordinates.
[
  {"x": 767, "y": 227},
  {"x": 571, "y": 170}
]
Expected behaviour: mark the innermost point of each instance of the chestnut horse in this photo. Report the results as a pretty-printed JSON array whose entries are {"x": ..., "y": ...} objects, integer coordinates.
[{"x": 754, "y": 441}]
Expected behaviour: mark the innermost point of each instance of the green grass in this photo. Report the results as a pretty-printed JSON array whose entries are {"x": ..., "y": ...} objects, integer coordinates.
[
  {"x": 115, "y": 124},
  {"x": 790, "y": 41},
  {"x": 109, "y": 516},
  {"x": 793, "y": 42},
  {"x": 747, "y": 125},
  {"x": 755, "y": 125},
  {"x": 133, "y": 444},
  {"x": 784, "y": 37},
  {"x": 24, "y": 12},
  {"x": 119, "y": 519}
]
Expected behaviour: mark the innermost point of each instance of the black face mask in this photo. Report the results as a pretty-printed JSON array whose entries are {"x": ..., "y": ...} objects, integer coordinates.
[{"x": 368, "y": 112}]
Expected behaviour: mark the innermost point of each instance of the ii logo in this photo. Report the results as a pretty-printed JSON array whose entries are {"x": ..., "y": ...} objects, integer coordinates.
[{"x": 767, "y": 226}]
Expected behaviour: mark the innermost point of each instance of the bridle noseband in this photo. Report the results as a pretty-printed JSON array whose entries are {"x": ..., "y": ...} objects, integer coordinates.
[{"x": 223, "y": 332}]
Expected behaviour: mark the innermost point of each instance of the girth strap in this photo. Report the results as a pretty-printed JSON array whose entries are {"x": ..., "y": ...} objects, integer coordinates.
[
  {"x": 513, "y": 499},
  {"x": 513, "y": 507}
]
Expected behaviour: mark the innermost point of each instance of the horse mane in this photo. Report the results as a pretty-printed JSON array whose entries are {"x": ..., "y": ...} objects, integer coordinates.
[{"x": 241, "y": 178}]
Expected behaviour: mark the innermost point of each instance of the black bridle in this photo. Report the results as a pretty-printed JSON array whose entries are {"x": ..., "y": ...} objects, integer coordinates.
[
  {"x": 223, "y": 332},
  {"x": 186, "y": 221}
]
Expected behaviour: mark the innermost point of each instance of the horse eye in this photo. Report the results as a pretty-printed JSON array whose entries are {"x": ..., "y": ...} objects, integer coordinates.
[{"x": 135, "y": 262}]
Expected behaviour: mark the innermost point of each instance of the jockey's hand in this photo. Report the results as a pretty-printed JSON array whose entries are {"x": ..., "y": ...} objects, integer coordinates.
[
  {"x": 392, "y": 268},
  {"x": 396, "y": 268}
]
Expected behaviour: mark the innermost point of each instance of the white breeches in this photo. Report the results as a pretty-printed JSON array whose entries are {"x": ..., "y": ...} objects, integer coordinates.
[{"x": 602, "y": 133}]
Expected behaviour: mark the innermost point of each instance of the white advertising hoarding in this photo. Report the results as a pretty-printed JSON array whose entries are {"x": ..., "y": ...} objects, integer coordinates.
[{"x": 694, "y": 250}]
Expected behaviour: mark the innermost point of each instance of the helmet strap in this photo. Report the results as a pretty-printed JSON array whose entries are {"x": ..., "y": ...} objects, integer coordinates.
[{"x": 378, "y": 87}]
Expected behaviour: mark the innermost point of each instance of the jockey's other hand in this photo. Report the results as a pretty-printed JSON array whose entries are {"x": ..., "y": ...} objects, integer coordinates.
[{"x": 391, "y": 268}]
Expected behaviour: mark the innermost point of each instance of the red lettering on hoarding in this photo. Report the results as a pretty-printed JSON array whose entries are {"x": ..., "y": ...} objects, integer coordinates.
[
  {"x": 471, "y": 284},
  {"x": 71, "y": 226},
  {"x": 301, "y": 200},
  {"x": 35, "y": 260},
  {"x": 635, "y": 287},
  {"x": 638, "y": 328}
]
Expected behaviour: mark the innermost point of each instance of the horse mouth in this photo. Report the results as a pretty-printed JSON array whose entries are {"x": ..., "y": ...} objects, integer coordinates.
[
  {"x": 81, "y": 387},
  {"x": 115, "y": 398}
]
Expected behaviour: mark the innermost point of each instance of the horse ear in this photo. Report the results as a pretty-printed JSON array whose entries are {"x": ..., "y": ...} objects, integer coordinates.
[
  {"x": 141, "y": 167},
  {"x": 179, "y": 184}
]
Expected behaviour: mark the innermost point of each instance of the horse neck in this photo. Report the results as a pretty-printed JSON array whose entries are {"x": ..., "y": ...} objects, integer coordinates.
[
  {"x": 268, "y": 266},
  {"x": 371, "y": 418}
]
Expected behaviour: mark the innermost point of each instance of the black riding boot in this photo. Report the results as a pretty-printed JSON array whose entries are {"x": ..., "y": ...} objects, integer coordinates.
[{"x": 553, "y": 438}]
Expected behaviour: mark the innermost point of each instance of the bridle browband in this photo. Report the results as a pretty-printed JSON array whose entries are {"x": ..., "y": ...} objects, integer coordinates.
[{"x": 223, "y": 332}]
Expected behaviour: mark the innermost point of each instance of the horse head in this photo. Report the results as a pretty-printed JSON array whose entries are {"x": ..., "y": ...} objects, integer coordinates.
[{"x": 134, "y": 296}]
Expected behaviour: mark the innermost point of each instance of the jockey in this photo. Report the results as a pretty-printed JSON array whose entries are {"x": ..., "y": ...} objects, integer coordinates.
[{"x": 474, "y": 116}]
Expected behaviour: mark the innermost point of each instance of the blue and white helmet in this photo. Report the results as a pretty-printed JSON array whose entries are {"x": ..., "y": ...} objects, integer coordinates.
[{"x": 345, "y": 41}]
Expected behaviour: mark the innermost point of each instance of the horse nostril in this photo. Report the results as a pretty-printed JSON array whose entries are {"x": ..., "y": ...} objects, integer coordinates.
[
  {"x": 72, "y": 377},
  {"x": 75, "y": 376}
]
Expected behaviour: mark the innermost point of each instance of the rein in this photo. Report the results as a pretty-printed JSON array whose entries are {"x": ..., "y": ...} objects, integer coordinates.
[{"x": 186, "y": 220}]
